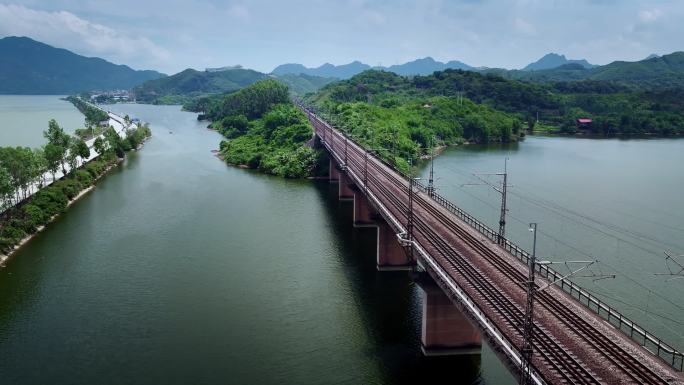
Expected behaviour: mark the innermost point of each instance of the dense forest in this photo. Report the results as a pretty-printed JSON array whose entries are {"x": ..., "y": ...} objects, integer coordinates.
[
  {"x": 615, "y": 108},
  {"x": 264, "y": 130},
  {"x": 23, "y": 167}
]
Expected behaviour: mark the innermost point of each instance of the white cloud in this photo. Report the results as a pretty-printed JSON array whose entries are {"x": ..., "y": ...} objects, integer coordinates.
[
  {"x": 523, "y": 26},
  {"x": 650, "y": 15},
  {"x": 66, "y": 30}
]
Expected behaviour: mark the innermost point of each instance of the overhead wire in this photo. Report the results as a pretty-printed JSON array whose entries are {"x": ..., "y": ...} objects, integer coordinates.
[{"x": 580, "y": 251}]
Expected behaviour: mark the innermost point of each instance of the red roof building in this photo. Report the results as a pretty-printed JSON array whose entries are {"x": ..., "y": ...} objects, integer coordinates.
[{"x": 584, "y": 123}]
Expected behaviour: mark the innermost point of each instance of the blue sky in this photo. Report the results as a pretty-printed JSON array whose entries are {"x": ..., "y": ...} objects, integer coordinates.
[{"x": 172, "y": 35}]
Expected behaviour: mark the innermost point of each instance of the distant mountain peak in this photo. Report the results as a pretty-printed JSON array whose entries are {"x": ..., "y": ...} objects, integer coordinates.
[
  {"x": 652, "y": 56},
  {"x": 422, "y": 66},
  {"x": 31, "y": 67},
  {"x": 554, "y": 60}
]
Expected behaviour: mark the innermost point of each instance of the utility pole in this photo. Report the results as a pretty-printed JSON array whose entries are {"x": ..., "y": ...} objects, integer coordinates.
[
  {"x": 431, "y": 180},
  {"x": 528, "y": 323},
  {"x": 502, "y": 218},
  {"x": 503, "y": 190},
  {"x": 528, "y": 326}
]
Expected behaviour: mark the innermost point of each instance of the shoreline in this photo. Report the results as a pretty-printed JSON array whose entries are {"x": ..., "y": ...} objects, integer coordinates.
[
  {"x": 623, "y": 136},
  {"x": 6, "y": 257}
]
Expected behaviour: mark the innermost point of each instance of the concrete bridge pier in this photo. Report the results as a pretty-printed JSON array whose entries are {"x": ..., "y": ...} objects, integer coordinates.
[
  {"x": 364, "y": 214},
  {"x": 445, "y": 330},
  {"x": 345, "y": 191},
  {"x": 391, "y": 255},
  {"x": 334, "y": 172}
]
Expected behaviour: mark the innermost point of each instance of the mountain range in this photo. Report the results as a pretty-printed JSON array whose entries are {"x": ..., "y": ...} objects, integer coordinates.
[
  {"x": 31, "y": 67},
  {"x": 653, "y": 72},
  {"x": 190, "y": 83},
  {"x": 327, "y": 70},
  {"x": 553, "y": 60},
  {"x": 656, "y": 72},
  {"x": 424, "y": 66}
]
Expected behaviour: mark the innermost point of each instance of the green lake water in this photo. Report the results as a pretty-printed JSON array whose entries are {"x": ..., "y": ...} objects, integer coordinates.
[
  {"x": 24, "y": 118},
  {"x": 615, "y": 201},
  {"x": 178, "y": 269}
]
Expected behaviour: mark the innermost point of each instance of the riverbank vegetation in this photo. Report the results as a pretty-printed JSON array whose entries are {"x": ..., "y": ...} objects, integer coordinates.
[
  {"x": 23, "y": 169},
  {"x": 94, "y": 118},
  {"x": 264, "y": 131},
  {"x": 402, "y": 123},
  {"x": 93, "y": 115}
]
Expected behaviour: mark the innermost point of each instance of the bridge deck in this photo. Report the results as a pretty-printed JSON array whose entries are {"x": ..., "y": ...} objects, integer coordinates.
[{"x": 572, "y": 344}]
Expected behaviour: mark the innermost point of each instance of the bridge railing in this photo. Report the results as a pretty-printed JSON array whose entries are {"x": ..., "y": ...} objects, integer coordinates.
[{"x": 628, "y": 327}]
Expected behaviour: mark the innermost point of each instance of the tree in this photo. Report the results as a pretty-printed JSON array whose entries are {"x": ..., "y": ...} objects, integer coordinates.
[
  {"x": 72, "y": 159},
  {"x": 100, "y": 146},
  {"x": 6, "y": 188},
  {"x": 56, "y": 135},
  {"x": 58, "y": 138},
  {"x": 234, "y": 126},
  {"x": 81, "y": 148},
  {"x": 114, "y": 142},
  {"x": 41, "y": 165},
  {"x": 53, "y": 158},
  {"x": 18, "y": 161}
]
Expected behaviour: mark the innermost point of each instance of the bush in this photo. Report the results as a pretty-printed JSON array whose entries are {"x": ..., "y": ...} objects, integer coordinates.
[
  {"x": 84, "y": 177},
  {"x": 69, "y": 187},
  {"x": 11, "y": 235},
  {"x": 33, "y": 217}
]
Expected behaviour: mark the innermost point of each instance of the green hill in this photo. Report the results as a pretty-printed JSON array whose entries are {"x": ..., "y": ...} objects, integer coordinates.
[
  {"x": 303, "y": 84},
  {"x": 659, "y": 72},
  {"x": 373, "y": 99},
  {"x": 402, "y": 117},
  {"x": 29, "y": 67},
  {"x": 188, "y": 84},
  {"x": 650, "y": 74}
]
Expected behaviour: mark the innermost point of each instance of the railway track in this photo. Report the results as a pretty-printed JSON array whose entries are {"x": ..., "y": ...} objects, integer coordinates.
[
  {"x": 637, "y": 372},
  {"x": 567, "y": 367},
  {"x": 550, "y": 353}
]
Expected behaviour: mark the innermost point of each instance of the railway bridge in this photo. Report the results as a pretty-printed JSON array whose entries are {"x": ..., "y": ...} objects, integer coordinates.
[{"x": 475, "y": 284}]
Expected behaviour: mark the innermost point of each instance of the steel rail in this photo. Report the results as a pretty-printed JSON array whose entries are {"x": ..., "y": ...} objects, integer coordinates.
[
  {"x": 487, "y": 325},
  {"x": 638, "y": 334},
  {"x": 633, "y": 368},
  {"x": 565, "y": 365}
]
